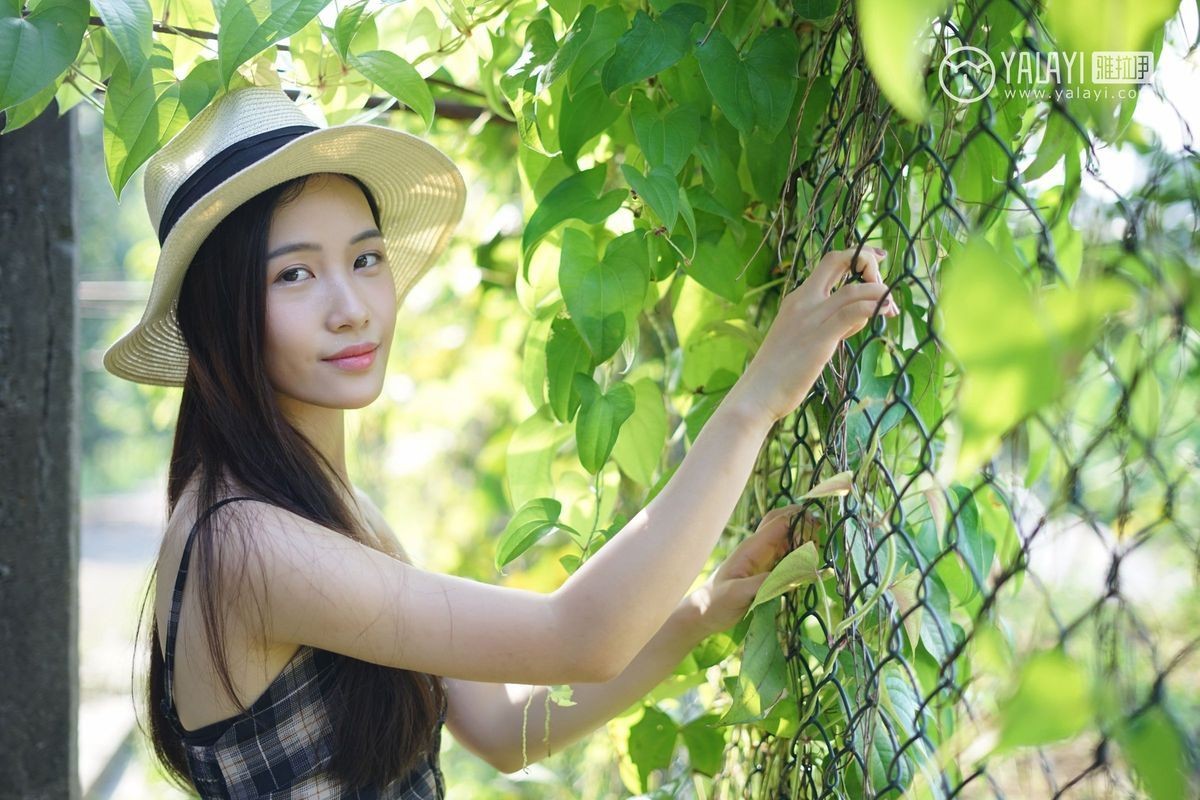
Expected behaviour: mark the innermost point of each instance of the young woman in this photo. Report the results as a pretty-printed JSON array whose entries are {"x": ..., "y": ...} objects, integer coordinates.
[{"x": 307, "y": 656}]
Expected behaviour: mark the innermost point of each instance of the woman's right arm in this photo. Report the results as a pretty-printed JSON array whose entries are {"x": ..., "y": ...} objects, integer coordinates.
[
  {"x": 625, "y": 592},
  {"x": 314, "y": 586}
]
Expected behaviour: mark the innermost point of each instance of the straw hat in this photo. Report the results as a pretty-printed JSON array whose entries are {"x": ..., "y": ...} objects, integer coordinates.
[{"x": 248, "y": 140}]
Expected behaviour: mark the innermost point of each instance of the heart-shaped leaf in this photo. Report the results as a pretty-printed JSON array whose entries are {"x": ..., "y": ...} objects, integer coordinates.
[
  {"x": 651, "y": 45},
  {"x": 604, "y": 297},
  {"x": 658, "y": 189},
  {"x": 532, "y": 521},
  {"x": 798, "y": 568},
  {"x": 36, "y": 49},
  {"x": 757, "y": 91},
  {"x": 601, "y": 416},
  {"x": 575, "y": 197},
  {"x": 567, "y": 355}
]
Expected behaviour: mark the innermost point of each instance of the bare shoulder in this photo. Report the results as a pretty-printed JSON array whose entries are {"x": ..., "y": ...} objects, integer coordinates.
[{"x": 388, "y": 540}]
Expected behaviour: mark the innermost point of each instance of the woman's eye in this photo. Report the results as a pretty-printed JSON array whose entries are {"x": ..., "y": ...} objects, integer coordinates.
[
  {"x": 283, "y": 275},
  {"x": 378, "y": 258}
]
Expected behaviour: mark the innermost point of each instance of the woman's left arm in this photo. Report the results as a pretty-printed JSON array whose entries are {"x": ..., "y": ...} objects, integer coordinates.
[
  {"x": 486, "y": 717},
  {"x": 595, "y": 703},
  {"x": 715, "y": 606}
]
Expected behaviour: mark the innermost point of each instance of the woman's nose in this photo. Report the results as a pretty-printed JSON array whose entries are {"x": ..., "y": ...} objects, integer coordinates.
[{"x": 349, "y": 306}]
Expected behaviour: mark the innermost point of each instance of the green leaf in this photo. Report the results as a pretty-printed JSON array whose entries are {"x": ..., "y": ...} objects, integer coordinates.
[
  {"x": 657, "y": 189},
  {"x": 25, "y": 112},
  {"x": 763, "y": 678},
  {"x": 972, "y": 542},
  {"x": 1017, "y": 349},
  {"x": 937, "y": 635},
  {"x": 346, "y": 26},
  {"x": 1154, "y": 745},
  {"x": 603, "y": 297},
  {"x": 567, "y": 355},
  {"x": 569, "y": 49},
  {"x": 997, "y": 519},
  {"x": 666, "y": 140},
  {"x": 892, "y": 36},
  {"x": 398, "y": 78},
  {"x": 757, "y": 91},
  {"x": 35, "y": 50},
  {"x": 539, "y": 48},
  {"x": 888, "y": 765},
  {"x": 705, "y": 744},
  {"x": 576, "y": 197},
  {"x": 531, "y": 450},
  {"x": 561, "y": 695},
  {"x": 141, "y": 112},
  {"x": 586, "y": 113},
  {"x": 1068, "y": 248},
  {"x": 716, "y": 648},
  {"x": 130, "y": 23},
  {"x": 247, "y": 27},
  {"x": 904, "y": 591},
  {"x": 532, "y": 521},
  {"x": 713, "y": 364},
  {"x": 718, "y": 266},
  {"x": 1052, "y": 702},
  {"x": 650, "y": 46},
  {"x": 609, "y": 26},
  {"x": 798, "y": 568},
  {"x": 601, "y": 416},
  {"x": 1058, "y": 138},
  {"x": 640, "y": 444},
  {"x": 652, "y": 742},
  {"x": 1085, "y": 26},
  {"x": 107, "y": 54},
  {"x": 1135, "y": 367},
  {"x": 874, "y": 393},
  {"x": 815, "y": 9},
  {"x": 200, "y": 86},
  {"x": 767, "y": 157},
  {"x": 533, "y": 354},
  {"x": 837, "y": 486}
]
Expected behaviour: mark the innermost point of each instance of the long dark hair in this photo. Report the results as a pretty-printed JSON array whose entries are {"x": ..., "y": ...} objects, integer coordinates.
[{"x": 230, "y": 427}]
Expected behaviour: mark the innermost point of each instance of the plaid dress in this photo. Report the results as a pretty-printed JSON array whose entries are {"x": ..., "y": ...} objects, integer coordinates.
[{"x": 279, "y": 747}]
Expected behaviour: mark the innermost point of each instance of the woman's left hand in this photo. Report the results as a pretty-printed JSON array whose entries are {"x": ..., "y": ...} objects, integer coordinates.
[{"x": 729, "y": 591}]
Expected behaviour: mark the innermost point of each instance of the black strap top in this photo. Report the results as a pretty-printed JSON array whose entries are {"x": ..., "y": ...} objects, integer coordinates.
[{"x": 279, "y": 747}]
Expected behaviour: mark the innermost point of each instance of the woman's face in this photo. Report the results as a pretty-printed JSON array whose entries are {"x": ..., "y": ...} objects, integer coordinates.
[{"x": 329, "y": 287}]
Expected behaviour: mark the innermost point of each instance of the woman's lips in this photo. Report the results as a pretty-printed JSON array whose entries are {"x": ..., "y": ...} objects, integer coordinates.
[{"x": 354, "y": 363}]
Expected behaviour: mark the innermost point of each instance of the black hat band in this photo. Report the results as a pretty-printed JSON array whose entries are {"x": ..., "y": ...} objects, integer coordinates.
[{"x": 221, "y": 166}]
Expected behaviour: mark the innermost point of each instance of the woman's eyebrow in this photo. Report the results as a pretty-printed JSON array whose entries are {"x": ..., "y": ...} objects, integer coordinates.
[{"x": 293, "y": 247}]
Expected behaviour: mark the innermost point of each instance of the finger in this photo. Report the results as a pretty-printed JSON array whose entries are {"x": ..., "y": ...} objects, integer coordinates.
[
  {"x": 853, "y": 317},
  {"x": 868, "y": 263},
  {"x": 861, "y": 260},
  {"x": 771, "y": 539},
  {"x": 830, "y": 269},
  {"x": 854, "y": 292},
  {"x": 775, "y": 513}
]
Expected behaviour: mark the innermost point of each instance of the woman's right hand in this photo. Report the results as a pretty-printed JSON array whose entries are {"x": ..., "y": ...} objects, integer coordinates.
[{"x": 812, "y": 320}]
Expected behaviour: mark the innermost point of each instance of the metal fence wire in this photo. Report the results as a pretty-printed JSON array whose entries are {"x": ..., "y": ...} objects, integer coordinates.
[{"x": 1028, "y": 631}]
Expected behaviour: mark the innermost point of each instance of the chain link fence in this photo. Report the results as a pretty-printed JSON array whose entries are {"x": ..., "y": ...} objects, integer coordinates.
[{"x": 1027, "y": 630}]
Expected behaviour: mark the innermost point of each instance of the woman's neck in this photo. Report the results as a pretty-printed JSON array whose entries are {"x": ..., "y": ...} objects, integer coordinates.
[{"x": 324, "y": 427}]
